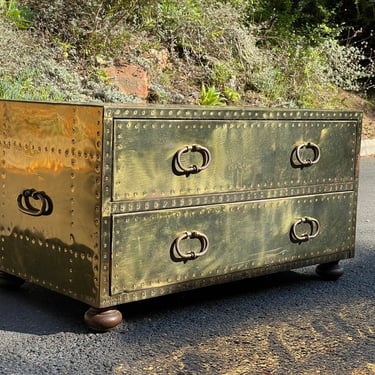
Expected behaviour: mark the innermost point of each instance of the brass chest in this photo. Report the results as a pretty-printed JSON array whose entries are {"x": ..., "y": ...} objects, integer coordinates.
[{"x": 110, "y": 204}]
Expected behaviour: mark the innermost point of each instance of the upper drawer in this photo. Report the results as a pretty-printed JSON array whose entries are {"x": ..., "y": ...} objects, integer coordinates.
[{"x": 165, "y": 158}]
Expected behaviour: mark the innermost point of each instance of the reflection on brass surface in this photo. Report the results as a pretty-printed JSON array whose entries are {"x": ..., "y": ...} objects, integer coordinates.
[
  {"x": 67, "y": 268},
  {"x": 50, "y": 170}
]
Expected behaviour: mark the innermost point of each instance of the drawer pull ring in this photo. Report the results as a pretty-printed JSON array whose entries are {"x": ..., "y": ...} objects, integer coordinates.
[
  {"x": 308, "y": 162},
  {"x": 206, "y": 155},
  {"x": 192, "y": 254},
  {"x": 314, "y": 229},
  {"x": 29, "y": 208}
]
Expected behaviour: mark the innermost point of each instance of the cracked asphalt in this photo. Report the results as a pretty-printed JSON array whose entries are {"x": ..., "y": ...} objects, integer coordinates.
[{"x": 287, "y": 323}]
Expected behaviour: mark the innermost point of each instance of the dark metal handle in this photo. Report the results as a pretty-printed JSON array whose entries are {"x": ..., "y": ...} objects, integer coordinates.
[
  {"x": 314, "y": 229},
  {"x": 192, "y": 254},
  {"x": 206, "y": 155},
  {"x": 27, "y": 207},
  {"x": 308, "y": 162}
]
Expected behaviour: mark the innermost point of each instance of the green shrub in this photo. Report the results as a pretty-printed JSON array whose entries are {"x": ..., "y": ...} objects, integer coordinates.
[
  {"x": 208, "y": 35},
  {"x": 30, "y": 72},
  {"x": 26, "y": 87},
  {"x": 287, "y": 51},
  {"x": 92, "y": 27},
  {"x": 281, "y": 19},
  {"x": 294, "y": 75},
  {"x": 349, "y": 67},
  {"x": 13, "y": 11}
]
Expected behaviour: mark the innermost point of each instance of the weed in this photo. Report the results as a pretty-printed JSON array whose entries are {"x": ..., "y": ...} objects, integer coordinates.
[
  {"x": 19, "y": 15},
  {"x": 211, "y": 96},
  {"x": 231, "y": 95},
  {"x": 102, "y": 76},
  {"x": 223, "y": 71}
]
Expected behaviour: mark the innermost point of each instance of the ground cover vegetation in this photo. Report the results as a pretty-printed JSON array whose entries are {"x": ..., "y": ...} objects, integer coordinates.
[{"x": 289, "y": 53}]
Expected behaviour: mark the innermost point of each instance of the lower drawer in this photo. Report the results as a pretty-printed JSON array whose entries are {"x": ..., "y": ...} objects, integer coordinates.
[{"x": 158, "y": 248}]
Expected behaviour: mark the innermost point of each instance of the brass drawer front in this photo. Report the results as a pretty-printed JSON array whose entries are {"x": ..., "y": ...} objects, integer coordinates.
[
  {"x": 231, "y": 237},
  {"x": 167, "y": 158}
]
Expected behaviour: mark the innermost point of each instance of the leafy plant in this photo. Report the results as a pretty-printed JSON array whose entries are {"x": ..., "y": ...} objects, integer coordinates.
[
  {"x": 222, "y": 72},
  {"x": 231, "y": 95},
  {"x": 211, "y": 96},
  {"x": 350, "y": 68},
  {"x": 16, "y": 13}
]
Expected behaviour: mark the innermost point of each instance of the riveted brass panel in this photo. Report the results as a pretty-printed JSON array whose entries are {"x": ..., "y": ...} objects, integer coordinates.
[
  {"x": 246, "y": 155},
  {"x": 54, "y": 149},
  {"x": 242, "y": 236}
]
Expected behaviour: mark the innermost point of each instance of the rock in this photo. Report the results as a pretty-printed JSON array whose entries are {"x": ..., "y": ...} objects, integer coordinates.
[{"x": 129, "y": 78}]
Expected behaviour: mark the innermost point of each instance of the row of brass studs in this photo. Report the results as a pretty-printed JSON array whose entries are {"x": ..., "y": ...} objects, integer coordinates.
[
  {"x": 73, "y": 152},
  {"x": 160, "y": 124},
  {"x": 279, "y": 202},
  {"x": 228, "y": 113},
  {"x": 197, "y": 200},
  {"x": 336, "y": 184}
]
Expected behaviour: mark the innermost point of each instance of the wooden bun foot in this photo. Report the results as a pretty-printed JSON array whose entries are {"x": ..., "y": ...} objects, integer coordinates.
[
  {"x": 10, "y": 281},
  {"x": 102, "y": 320},
  {"x": 330, "y": 271}
]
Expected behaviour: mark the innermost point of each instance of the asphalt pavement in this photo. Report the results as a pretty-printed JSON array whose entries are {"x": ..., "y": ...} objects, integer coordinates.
[{"x": 287, "y": 323}]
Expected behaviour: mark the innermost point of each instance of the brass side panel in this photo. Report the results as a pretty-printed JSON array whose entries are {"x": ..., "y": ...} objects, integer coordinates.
[
  {"x": 246, "y": 155},
  {"x": 242, "y": 236},
  {"x": 55, "y": 148}
]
